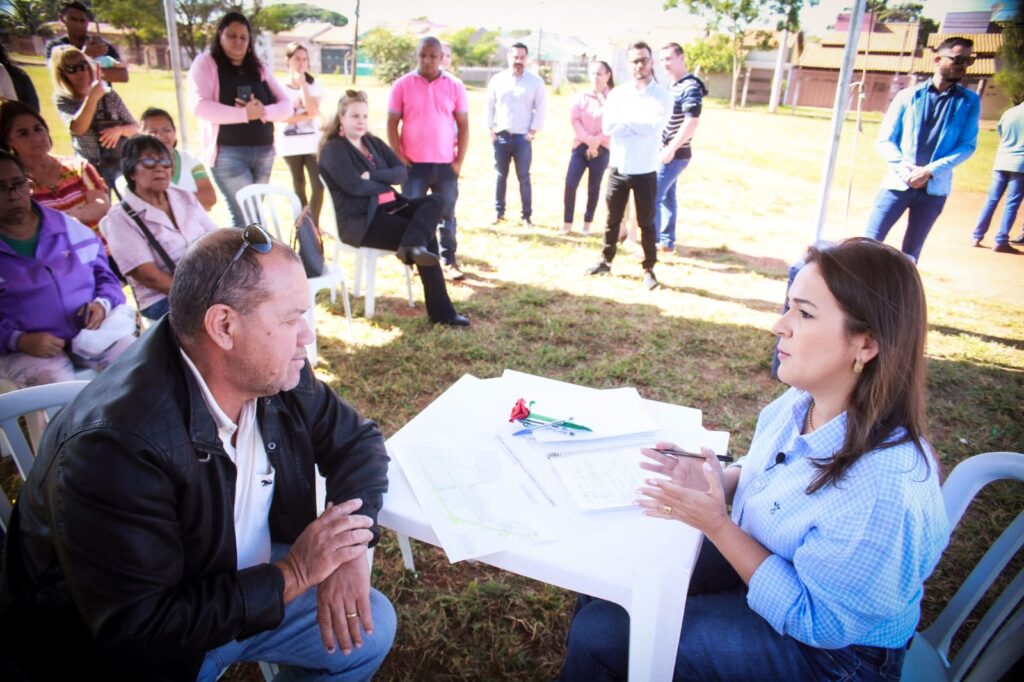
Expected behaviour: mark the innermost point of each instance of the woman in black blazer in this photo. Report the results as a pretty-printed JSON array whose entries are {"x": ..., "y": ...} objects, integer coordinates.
[{"x": 359, "y": 171}]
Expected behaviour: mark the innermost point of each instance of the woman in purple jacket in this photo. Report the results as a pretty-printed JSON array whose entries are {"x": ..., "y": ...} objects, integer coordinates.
[{"x": 54, "y": 282}]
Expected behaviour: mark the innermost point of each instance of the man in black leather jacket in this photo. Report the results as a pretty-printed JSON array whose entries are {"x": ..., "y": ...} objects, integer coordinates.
[{"x": 123, "y": 554}]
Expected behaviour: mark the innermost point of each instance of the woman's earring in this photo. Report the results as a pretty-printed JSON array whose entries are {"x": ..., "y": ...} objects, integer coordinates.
[{"x": 858, "y": 366}]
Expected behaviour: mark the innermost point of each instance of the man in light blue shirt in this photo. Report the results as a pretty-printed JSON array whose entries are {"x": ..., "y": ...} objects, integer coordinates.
[
  {"x": 634, "y": 116},
  {"x": 515, "y": 112},
  {"x": 1008, "y": 177},
  {"x": 928, "y": 130}
]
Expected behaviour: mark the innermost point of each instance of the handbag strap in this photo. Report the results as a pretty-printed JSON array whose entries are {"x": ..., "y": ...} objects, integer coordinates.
[{"x": 149, "y": 236}]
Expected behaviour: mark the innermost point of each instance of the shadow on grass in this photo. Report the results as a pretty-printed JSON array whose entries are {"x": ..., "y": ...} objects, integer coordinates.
[
  {"x": 770, "y": 268},
  {"x": 953, "y": 331}
]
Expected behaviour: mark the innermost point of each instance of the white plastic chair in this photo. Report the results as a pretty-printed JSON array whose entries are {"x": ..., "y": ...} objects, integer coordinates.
[
  {"x": 257, "y": 202},
  {"x": 365, "y": 265},
  {"x": 20, "y": 403},
  {"x": 997, "y": 641}
]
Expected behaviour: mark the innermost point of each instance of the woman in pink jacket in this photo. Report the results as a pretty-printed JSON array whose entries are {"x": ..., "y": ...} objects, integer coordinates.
[
  {"x": 590, "y": 147},
  {"x": 236, "y": 98}
]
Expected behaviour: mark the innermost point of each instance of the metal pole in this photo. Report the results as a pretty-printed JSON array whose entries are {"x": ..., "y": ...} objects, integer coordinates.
[
  {"x": 838, "y": 113},
  {"x": 773, "y": 101},
  {"x": 355, "y": 46},
  {"x": 175, "y": 49}
]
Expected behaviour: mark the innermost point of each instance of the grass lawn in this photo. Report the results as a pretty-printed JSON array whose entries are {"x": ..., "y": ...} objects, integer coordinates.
[{"x": 747, "y": 209}]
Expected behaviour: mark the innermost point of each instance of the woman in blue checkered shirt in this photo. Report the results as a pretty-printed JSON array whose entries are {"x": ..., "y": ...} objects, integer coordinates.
[{"x": 836, "y": 514}]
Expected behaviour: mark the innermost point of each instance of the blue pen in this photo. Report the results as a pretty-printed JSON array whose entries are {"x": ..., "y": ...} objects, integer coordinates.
[{"x": 546, "y": 425}]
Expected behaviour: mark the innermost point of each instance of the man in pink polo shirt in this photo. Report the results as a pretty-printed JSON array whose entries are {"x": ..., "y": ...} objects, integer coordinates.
[{"x": 428, "y": 127}]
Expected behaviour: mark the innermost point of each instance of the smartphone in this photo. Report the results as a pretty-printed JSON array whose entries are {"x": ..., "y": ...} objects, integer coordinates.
[{"x": 244, "y": 92}]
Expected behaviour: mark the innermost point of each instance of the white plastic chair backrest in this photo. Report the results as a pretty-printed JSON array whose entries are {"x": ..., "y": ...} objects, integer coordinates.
[
  {"x": 996, "y": 630},
  {"x": 257, "y": 202},
  {"x": 49, "y": 397}
]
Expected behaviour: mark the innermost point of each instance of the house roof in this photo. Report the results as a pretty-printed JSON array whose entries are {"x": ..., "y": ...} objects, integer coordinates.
[
  {"x": 305, "y": 30},
  {"x": 984, "y": 43},
  {"x": 893, "y": 38},
  {"x": 823, "y": 57},
  {"x": 336, "y": 35}
]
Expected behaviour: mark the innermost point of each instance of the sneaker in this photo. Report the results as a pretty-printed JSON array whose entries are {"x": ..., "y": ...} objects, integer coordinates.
[
  {"x": 586, "y": 229},
  {"x": 452, "y": 273},
  {"x": 601, "y": 268},
  {"x": 650, "y": 281},
  {"x": 1018, "y": 240},
  {"x": 1006, "y": 248},
  {"x": 498, "y": 220},
  {"x": 666, "y": 248},
  {"x": 977, "y": 243},
  {"x": 525, "y": 222},
  {"x": 567, "y": 228}
]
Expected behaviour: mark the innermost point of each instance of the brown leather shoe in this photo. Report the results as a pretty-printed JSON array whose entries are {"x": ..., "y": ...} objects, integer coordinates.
[{"x": 1006, "y": 248}]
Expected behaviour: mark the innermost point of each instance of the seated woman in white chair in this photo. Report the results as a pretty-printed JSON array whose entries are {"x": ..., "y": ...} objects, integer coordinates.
[
  {"x": 54, "y": 284},
  {"x": 359, "y": 170},
  {"x": 150, "y": 230},
  {"x": 837, "y": 518}
]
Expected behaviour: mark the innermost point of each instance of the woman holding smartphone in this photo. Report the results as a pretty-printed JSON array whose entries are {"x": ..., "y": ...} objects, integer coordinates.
[
  {"x": 300, "y": 136},
  {"x": 236, "y": 99},
  {"x": 837, "y": 518}
]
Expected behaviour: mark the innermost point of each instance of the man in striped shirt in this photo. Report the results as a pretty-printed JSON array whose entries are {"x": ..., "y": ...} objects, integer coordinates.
[{"x": 687, "y": 93}]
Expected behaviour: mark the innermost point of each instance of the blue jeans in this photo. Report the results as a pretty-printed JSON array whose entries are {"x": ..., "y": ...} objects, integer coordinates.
[
  {"x": 296, "y": 643},
  {"x": 238, "y": 167},
  {"x": 509, "y": 146},
  {"x": 1001, "y": 182},
  {"x": 890, "y": 205},
  {"x": 721, "y": 639},
  {"x": 578, "y": 162},
  {"x": 440, "y": 179},
  {"x": 157, "y": 310},
  {"x": 665, "y": 201}
]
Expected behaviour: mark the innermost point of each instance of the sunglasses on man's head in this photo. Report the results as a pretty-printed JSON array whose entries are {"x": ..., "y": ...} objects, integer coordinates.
[
  {"x": 253, "y": 236},
  {"x": 149, "y": 163},
  {"x": 75, "y": 68},
  {"x": 960, "y": 59}
]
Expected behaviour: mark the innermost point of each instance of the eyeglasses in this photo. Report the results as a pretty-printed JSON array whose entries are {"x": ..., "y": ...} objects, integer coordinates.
[
  {"x": 960, "y": 59},
  {"x": 75, "y": 68},
  {"x": 149, "y": 163},
  {"x": 16, "y": 189},
  {"x": 252, "y": 236}
]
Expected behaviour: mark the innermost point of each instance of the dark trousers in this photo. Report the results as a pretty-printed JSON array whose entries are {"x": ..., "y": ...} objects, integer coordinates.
[
  {"x": 578, "y": 162},
  {"x": 301, "y": 165},
  {"x": 413, "y": 222},
  {"x": 644, "y": 188},
  {"x": 508, "y": 147},
  {"x": 440, "y": 179}
]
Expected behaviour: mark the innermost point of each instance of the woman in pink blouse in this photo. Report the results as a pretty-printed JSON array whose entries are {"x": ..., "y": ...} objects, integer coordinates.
[{"x": 590, "y": 148}]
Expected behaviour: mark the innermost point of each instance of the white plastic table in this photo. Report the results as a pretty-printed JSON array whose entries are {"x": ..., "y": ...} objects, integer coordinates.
[{"x": 641, "y": 563}]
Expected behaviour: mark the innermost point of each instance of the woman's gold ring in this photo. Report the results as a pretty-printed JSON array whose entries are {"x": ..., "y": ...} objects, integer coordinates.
[
  {"x": 665, "y": 509},
  {"x": 352, "y": 615}
]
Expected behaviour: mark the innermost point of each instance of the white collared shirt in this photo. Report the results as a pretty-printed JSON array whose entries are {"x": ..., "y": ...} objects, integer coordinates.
[
  {"x": 515, "y": 104},
  {"x": 633, "y": 119},
  {"x": 254, "y": 478}
]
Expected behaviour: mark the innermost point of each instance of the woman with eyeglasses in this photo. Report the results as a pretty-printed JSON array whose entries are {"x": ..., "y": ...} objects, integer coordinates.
[
  {"x": 150, "y": 230},
  {"x": 836, "y": 520},
  {"x": 236, "y": 99},
  {"x": 54, "y": 283},
  {"x": 72, "y": 186},
  {"x": 189, "y": 172},
  {"x": 360, "y": 171},
  {"x": 97, "y": 117}
]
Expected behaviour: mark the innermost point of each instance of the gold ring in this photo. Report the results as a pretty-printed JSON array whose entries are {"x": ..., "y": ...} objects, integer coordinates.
[
  {"x": 352, "y": 615},
  {"x": 665, "y": 509}
]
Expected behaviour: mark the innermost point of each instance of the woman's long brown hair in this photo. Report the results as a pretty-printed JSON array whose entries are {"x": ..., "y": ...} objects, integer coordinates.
[{"x": 880, "y": 293}]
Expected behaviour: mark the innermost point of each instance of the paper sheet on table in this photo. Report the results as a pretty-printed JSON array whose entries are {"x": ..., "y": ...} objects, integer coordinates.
[
  {"x": 604, "y": 478},
  {"x": 478, "y": 497},
  {"x": 610, "y": 413}
]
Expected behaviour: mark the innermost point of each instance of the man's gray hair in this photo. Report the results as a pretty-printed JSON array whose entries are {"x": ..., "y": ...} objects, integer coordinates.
[{"x": 197, "y": 272}]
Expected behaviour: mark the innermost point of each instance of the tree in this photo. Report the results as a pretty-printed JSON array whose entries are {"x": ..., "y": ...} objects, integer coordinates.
[
  {"x": 472, "y": 47},
  {"x": 141, "y": 20},
  {"x": 278, "y": 18},
  {"x": 733, "y": 17},
  {"x": 26, "y": 17},
  {"x": 1011, "y": 76},
  {"x": 711, "y": 55},
  {"x": 393, "y": 54},
  {"x": 904, "y": 12},
  {"x": 194, "y": 19}
]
